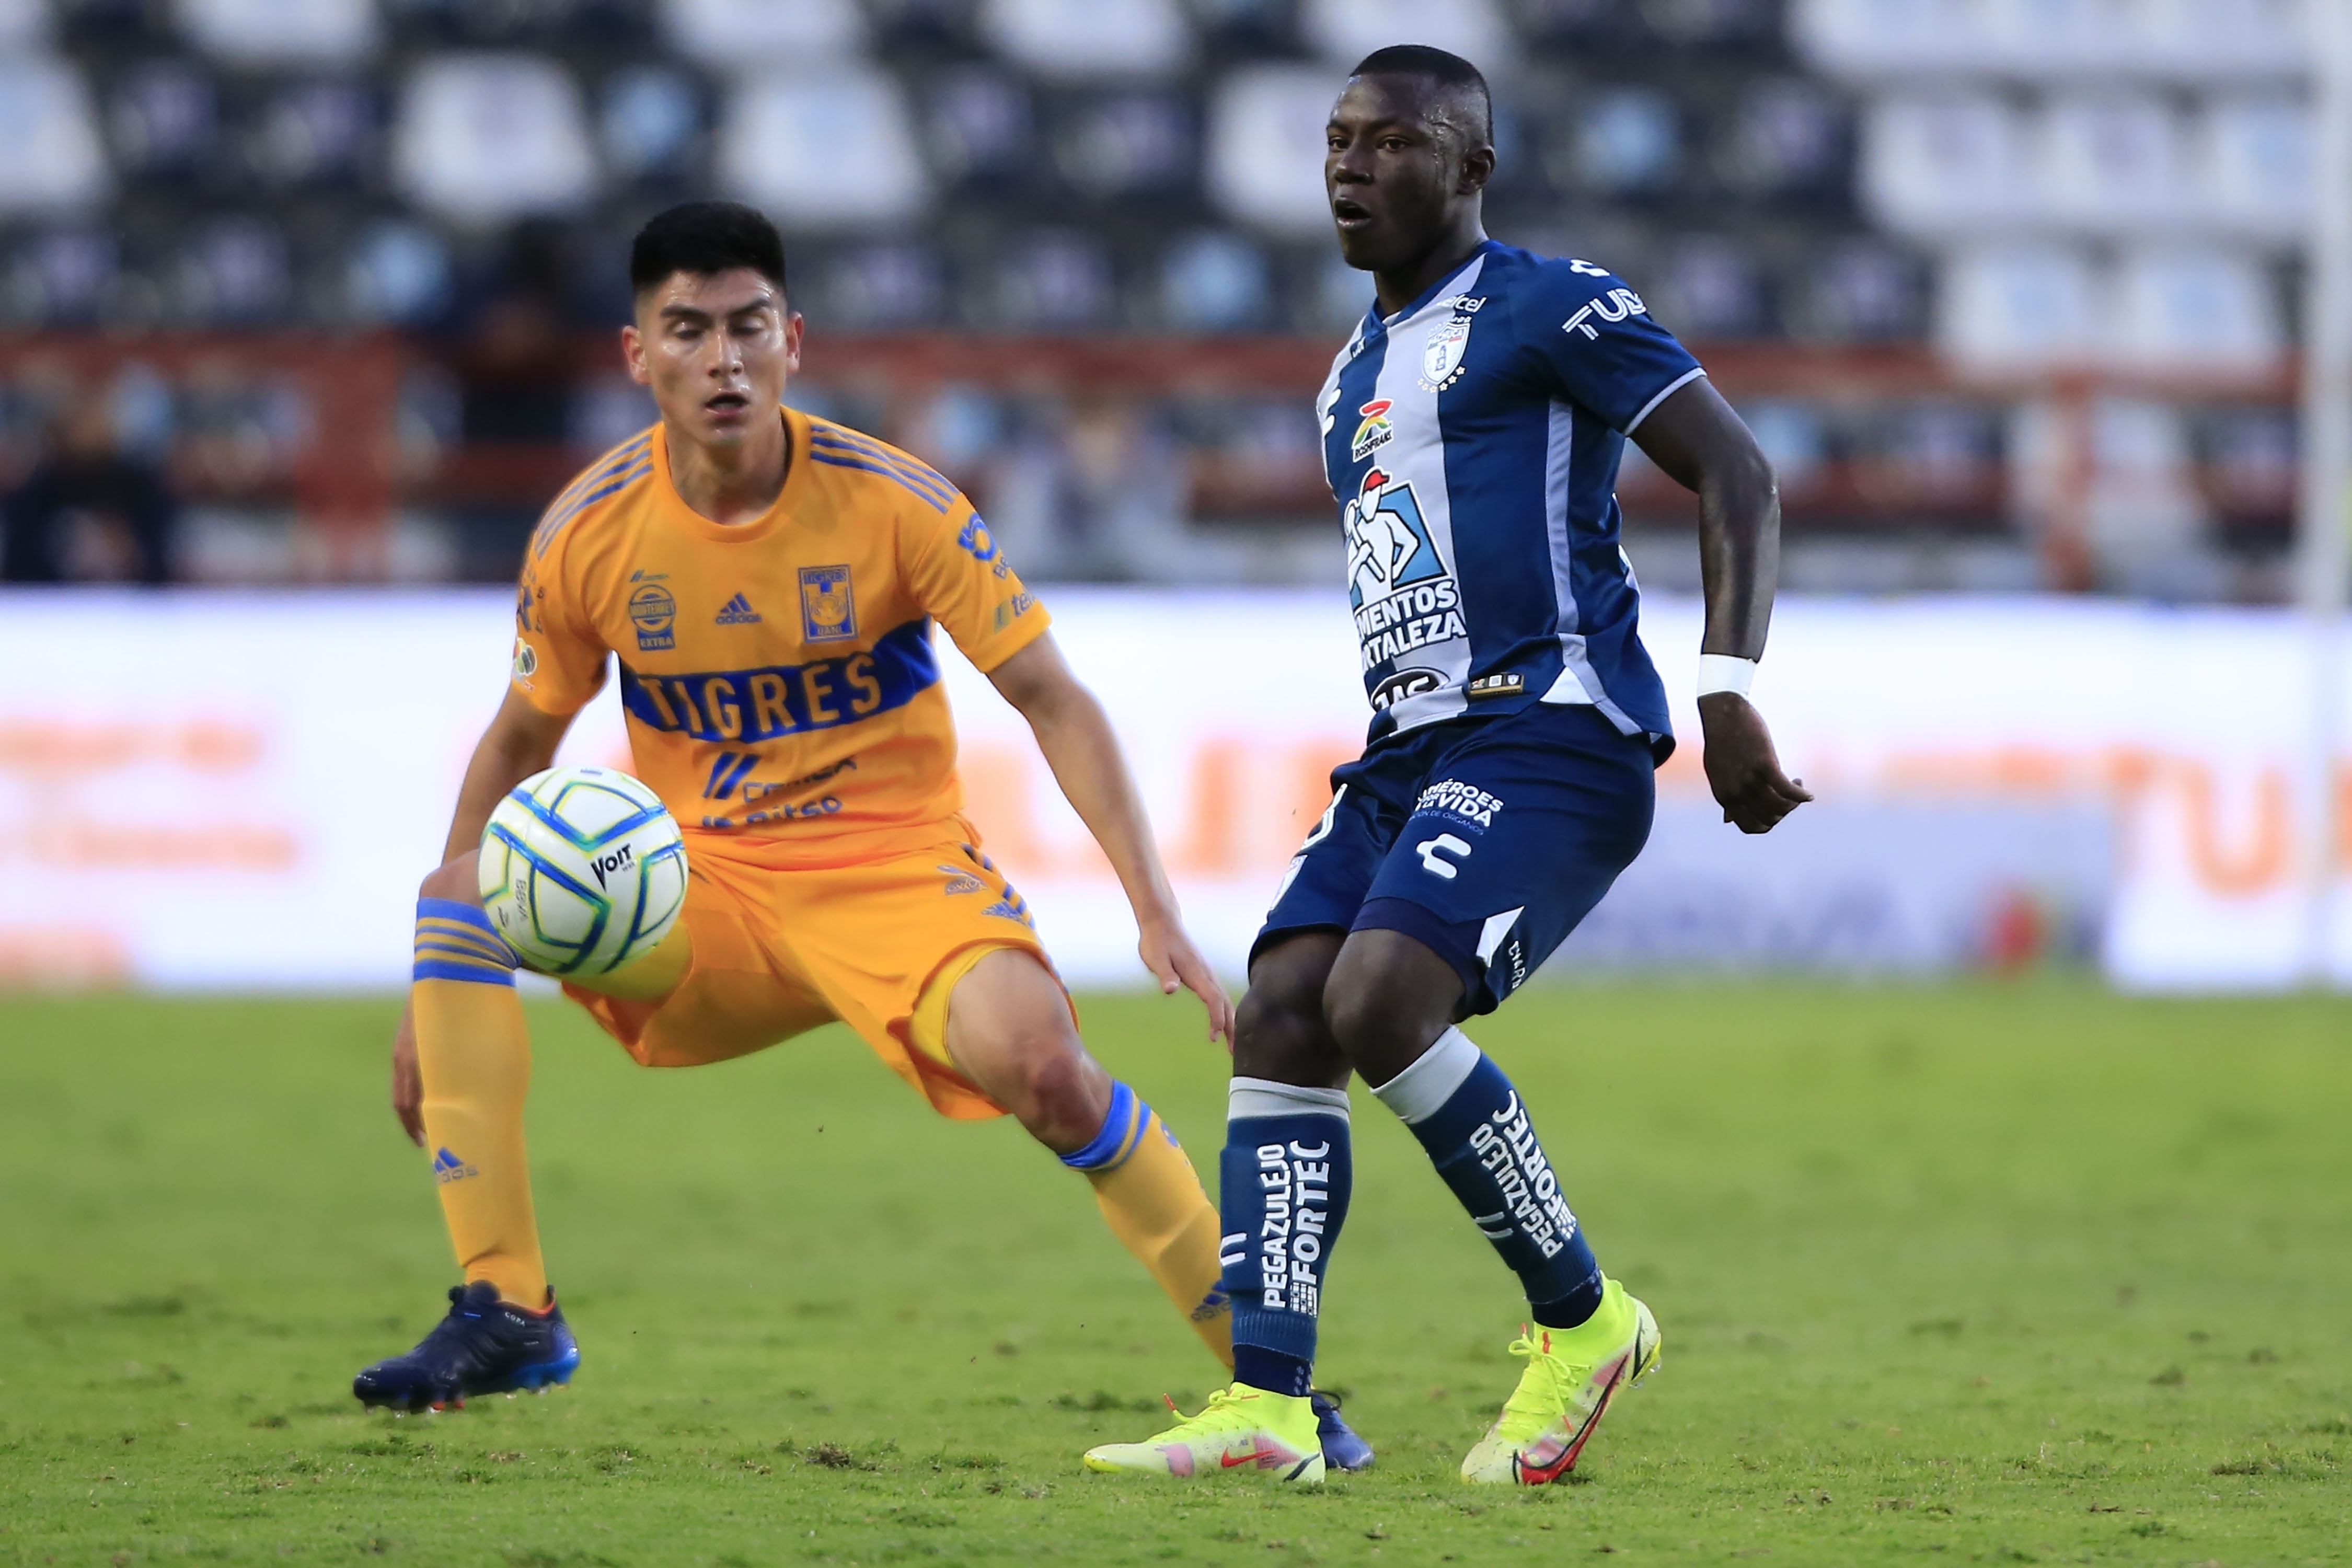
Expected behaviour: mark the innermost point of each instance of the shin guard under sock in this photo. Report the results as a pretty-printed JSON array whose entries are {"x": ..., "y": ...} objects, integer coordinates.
[
  {"x": 474, "y": 1055},
  {"x": 1151, "y": 1199},
  {"x": 1283, "y": 1190},
  {"x": 1470, "y": 1120}
]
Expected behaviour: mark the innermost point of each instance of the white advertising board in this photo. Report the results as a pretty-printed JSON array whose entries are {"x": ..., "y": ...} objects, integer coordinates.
[{"x": 219, "y": 790}]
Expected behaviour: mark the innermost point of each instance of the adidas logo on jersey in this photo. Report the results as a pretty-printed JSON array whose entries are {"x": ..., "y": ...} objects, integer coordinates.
[{"x": 737, "y": 612}]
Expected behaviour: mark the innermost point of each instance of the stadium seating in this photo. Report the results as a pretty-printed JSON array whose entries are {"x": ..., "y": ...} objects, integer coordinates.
[
  {"x": 486, "y": 137},
  {"x": 49, "y": 151},
  {"x": 2013, "y": 184},
  {"x": 822, "y": 148},
  {"x": 271, "y": 32}
]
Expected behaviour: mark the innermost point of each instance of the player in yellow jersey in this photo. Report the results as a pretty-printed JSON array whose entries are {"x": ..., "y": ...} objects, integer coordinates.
[{"x": 763, "y": 585}]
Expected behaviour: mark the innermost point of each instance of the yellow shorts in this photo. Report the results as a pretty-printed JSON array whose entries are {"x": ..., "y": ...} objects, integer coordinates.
[{"x": 782, "y": 945}]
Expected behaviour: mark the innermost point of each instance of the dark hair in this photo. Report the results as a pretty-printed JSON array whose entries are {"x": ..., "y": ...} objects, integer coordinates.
[
  {"x": 704, "y": 237},
  {"x": 1440, "y": 69}
]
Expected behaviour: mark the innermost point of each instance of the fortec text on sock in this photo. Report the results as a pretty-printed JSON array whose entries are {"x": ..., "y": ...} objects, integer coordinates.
[
  {"x": 1297, "y": 1180},
  {"x": 1506, "y": 1147}
]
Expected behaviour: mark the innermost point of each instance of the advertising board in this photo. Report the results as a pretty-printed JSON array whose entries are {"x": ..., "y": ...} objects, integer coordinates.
[{"x": 241, "y": 790}]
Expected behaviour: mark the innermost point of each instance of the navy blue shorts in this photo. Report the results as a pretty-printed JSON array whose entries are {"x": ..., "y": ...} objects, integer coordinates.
[{"x": 1485, "y": 839}]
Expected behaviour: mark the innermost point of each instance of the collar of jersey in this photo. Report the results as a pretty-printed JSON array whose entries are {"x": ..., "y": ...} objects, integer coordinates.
[
  {"x": 796, "y": 437},
  {"x": 1374, "y": 321}
]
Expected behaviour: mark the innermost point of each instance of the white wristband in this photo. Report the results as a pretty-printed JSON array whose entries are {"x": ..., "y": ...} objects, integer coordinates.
[{"x": 1721, "y": 672}]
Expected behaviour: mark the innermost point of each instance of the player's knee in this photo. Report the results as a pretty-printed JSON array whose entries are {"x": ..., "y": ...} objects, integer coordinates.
[
  {"x": 453, "y": 880},
  {"x": 1364, "y": 1019},
  {"x": 1060, "y": 1094},
  {"x": 1388, "y": 999}
]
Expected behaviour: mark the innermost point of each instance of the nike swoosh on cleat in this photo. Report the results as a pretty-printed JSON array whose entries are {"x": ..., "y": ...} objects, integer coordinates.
[{"x": 1230, "y": 1460}]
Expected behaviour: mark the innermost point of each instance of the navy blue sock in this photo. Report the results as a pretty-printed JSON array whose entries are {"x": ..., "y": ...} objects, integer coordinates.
[
  {"x": 1282, "y": 1187},
  {"x": 1469, "y": 1118}
]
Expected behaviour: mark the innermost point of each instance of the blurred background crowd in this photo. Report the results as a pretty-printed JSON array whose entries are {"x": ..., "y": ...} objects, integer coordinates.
[{"x": 326, "y": 291}]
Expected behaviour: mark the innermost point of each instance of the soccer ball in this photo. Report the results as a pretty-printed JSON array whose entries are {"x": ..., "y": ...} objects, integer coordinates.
[{"x": 583, "y": 870}]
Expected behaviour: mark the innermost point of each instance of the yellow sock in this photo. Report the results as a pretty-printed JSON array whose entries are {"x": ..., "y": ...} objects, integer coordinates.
[
  {"x": 1151, "y": 1198},
  {"x": 474, "y": 1054}
]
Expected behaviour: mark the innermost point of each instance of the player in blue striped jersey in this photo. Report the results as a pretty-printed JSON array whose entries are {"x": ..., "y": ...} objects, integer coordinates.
[{"x": 1472, "y": 431}]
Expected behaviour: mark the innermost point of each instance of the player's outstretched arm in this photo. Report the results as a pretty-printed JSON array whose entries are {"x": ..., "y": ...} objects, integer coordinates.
[
  {"x": 1075, "y": 738},
  {"x": 520, "y": 742},
  {"x": 1701, "y": 444}
]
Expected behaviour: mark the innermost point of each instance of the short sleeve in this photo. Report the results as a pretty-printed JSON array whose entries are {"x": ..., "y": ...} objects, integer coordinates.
[
  {"x": 960, "y": 576},
  {"x": 1598, "y": 341},
  {"x": 558, "y": 666}
]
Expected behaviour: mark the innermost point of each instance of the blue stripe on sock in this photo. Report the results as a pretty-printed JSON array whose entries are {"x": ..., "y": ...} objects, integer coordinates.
[
  {"x": 1118, "y": 1135},
  {"x": 452, "y": 969},
  {"x": 451, "y": 909}
]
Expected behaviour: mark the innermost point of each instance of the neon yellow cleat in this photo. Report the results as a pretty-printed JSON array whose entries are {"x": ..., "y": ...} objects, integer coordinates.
[
  {"x": 1571, "y": 1376},
  {"x": 1244, "y": 1428}
]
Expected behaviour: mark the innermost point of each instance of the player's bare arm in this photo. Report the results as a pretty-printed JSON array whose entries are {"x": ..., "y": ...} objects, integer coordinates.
[
  {"x": 1701, "y": 444},
  {"x": 521, "y": 741},
  {"x": 1077, "y": 742}
]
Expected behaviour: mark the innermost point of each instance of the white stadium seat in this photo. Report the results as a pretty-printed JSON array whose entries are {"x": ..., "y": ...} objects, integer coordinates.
[
  {"x": 730, "y": 34},
  {"x": 1344, "y": 31},
  {"x": 2107, "y": 160},
  {"x": 22, "y": 23},
  {"x": 2017, "y": 307},
  {"x": 2251, "y": 158},
  {"x": 2195, "y": 310},
  {"x": 271, "y": 32},
  {"x": 1946, "y": 163},
  {"x": 822, "y": 150},
  {"x": 2189, "y": 40},
  {"x": 1068, "y": 38},
  {"x": 49, "y": 151},
  {"x": 1871, "y": 38},
  {"x": 2206, "y": 39},
  {"x": 1265, "y": 146},
  {"x": 485, "y": 137}
]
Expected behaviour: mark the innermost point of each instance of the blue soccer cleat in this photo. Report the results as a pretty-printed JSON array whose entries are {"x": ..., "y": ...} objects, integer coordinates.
[
  {"x": 484, "y": 1346},
  {"x": 1342, "y": 1449}
]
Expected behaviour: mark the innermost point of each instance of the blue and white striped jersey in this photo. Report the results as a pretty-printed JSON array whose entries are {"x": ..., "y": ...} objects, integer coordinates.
[{"x": 1472, "y": 442}]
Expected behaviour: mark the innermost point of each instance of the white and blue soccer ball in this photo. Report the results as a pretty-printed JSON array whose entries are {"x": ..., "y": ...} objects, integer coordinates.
[{"x": 582, "y": 870}]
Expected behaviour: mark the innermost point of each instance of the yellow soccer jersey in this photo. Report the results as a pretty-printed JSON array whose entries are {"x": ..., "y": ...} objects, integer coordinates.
[{"x": 778, "y": 674}]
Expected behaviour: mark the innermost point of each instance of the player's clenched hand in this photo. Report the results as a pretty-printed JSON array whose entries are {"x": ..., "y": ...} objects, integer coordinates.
[
  {"x": 407, "y": 1083},
  {"x": 1741, "y": 766},
  {"x": 1174, "y": 962}
]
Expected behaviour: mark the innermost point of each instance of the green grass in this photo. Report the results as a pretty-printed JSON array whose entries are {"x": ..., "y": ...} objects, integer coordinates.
[{"x": 2006, "y": 1274}]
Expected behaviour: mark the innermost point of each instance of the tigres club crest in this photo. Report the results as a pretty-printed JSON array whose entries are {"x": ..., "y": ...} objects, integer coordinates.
[{"x": 828, "y": 609}]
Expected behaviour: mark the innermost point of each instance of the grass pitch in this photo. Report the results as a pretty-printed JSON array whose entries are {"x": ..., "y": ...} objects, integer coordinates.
[{"x": 2012, "y": 1274}]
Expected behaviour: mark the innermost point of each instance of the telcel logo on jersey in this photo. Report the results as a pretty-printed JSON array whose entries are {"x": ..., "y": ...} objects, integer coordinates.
[
  {"x": 828, "y": 608},
  {"x": 654, "y": 613},
  {"x": 1375, "y": 432}
]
